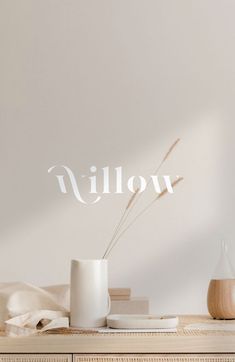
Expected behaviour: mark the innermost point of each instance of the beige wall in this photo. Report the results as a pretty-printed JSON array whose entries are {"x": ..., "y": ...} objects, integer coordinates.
[{"x": 115, "y": 83}]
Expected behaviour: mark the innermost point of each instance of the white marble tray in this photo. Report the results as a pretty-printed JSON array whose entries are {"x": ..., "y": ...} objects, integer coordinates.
[{"x": 141, "y": 321}]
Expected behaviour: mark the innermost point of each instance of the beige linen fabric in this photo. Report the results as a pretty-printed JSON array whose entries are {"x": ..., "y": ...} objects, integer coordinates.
[{"x": 26, "y": 309}]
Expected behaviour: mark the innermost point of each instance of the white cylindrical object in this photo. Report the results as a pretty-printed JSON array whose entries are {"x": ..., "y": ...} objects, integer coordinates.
[{"x": 89, "y": 298}]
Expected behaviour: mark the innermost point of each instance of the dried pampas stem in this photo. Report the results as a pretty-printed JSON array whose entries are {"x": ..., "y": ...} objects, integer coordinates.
[
  {"x": 134, "y": 199},
  {"x": 155, "y": 172},
  {"x": 117, "y": 228},
  {"x": 170, "y": 150},
  {"x": 174, "y": 183}
]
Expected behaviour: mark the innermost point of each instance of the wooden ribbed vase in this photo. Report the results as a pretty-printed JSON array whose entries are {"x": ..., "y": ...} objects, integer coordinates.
[{"x": 221, "y": 298}]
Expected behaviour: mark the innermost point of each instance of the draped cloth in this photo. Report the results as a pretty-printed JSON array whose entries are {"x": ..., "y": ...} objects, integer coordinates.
[{"x": 26, "y": 309}]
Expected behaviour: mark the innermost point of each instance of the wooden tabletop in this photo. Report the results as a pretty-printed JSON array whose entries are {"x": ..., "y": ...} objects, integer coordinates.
[{"x": 75, "y": 341}]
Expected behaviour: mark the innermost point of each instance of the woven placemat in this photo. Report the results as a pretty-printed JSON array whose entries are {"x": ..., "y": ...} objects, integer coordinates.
[
  {"x": 183, "y": 322},
  {"x": 180, "y": 332},
  {"x": 183, "y": 333}
]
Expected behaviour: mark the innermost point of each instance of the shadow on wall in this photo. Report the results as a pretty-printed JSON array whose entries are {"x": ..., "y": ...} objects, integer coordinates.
[
  {"x": 28, "y": 191},
  {"x": 34, "y": 194},
  {"x": 176, "y": 278},
  {"x": 99, "y": 84}
]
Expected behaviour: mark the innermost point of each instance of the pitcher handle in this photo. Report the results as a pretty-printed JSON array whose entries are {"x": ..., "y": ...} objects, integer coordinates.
[{"x": 109, "y": 304}]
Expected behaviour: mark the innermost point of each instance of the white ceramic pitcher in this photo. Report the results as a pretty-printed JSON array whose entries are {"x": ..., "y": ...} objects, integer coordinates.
[{"x": 89, "y": 297}]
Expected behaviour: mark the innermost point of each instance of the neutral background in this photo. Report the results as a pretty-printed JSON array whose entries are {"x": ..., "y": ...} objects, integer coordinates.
[{"x": 114, "y": 83}]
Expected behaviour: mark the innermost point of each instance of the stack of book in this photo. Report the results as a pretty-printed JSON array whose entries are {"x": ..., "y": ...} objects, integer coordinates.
[{"x": 123, "y": 303}]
